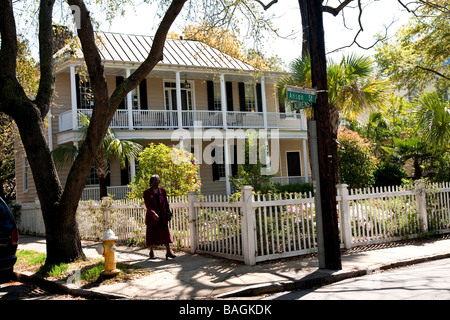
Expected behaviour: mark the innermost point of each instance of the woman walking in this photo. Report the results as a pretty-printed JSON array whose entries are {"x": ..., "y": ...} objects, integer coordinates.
[{"x": 157, "y": 217}]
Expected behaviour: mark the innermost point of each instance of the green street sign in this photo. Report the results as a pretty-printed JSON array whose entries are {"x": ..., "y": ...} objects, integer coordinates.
[
  {"x": 296, "y": 105},
  {"x": 301, "y": 94}
]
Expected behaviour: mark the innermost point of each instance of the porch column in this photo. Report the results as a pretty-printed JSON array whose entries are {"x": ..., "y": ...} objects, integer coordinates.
[
  {"x": 226, "y": 145},
  {"x": 304, "y": 125},
  {"x": 305, "y": 161},
  {"x": 227, "y": 162},
  {"x": 129, "y": 104},
  {"x": 223, "y": 101},
  {"x": 264, "y": 103},
  {"x": 179, "y": 105},
  {"x": 73, "y": 97}
]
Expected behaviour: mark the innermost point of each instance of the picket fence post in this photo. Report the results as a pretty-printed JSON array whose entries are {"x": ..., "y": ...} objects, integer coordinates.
[
  {"x": 193, "y": 228},
  {"x": 248, "y": 226},
  {"x": 105, "y": 207},
  {"x": 344, "y": 212},
  {"x": 421, "y": 204}
]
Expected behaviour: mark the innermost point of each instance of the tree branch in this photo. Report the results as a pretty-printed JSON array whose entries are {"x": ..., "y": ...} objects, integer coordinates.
[
  {"x": 265, "y": 7},
  {"x": 355, "y": 41},
  {"x": 338, "y": 9},
  {"x": 47, "y": 80},
  {"x": 155, "y": 55},
  {"x": 8, "y": 51},
  {"x": 433, "y": 71},
  {"x": 12, "y": 93}
]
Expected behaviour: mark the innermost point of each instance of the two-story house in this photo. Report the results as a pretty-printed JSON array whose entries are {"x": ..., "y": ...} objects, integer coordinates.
[{"x": 195, "y": 88}]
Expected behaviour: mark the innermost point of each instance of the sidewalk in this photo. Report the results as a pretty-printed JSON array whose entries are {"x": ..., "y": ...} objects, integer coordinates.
[{"x": 195, "y": 276}]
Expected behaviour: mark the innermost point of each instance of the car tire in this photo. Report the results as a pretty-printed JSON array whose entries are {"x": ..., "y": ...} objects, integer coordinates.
[{"x": 6, "y": 275}]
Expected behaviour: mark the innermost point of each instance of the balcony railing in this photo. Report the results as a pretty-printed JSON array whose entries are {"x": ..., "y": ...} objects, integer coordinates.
[{"x": 163, "y": 119}]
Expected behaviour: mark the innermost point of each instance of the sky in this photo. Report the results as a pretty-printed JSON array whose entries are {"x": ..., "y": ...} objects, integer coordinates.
[{"x": 287, "y": 18}]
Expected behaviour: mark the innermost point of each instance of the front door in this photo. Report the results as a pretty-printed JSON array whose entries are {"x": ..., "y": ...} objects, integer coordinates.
[
  {"x": 293, "y": 166},
  {"x": 170, "y": 94}
]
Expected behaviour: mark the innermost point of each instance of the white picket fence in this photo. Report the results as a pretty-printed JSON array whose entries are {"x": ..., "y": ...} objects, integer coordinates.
[{"x": 256, "y": 228}]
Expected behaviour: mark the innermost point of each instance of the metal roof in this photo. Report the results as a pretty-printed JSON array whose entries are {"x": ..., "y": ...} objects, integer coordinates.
[{"x": 135, "y": 48}]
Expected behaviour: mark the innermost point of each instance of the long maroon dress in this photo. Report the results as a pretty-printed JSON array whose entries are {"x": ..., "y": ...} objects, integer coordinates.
[{"x": 157, "y": 232}]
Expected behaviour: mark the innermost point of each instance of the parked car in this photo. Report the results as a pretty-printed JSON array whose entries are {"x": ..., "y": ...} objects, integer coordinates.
[{"x": 9, "y": 239}]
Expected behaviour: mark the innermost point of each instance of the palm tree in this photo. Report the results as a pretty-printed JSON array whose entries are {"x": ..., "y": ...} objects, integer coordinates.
[
  {"x": 433, "y": 120},
  {"x": 352, "y": 87},
  {"x": 377, "y": 131},
  {"x": 111, "y": 149}
]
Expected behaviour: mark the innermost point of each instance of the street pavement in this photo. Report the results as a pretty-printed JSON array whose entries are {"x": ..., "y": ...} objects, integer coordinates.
[
  {"x": 422, "y": 281},
  {"x": 204, "y": 277}
]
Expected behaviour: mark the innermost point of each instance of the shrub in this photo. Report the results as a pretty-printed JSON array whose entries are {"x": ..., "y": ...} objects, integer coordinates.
[
  {"x": 294, "y": 188},
  {"x": 176, "y": 168},
  {"x": 356, "y": 161},
  {"x": 389, "y": 174}
]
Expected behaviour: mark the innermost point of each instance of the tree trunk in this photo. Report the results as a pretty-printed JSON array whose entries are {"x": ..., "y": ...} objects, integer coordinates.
[
  {"x": 103, "y": 185},
  {"x": 305, "y": 26},
  {"x": 327, "y": 160},
  {"x": 417, "y": 169},
  {"x": 61, "y": 229}
]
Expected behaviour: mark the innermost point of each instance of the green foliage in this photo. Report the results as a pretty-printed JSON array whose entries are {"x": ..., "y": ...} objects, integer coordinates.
[
  {"x": 176, "y": 168},
  {"x": 293, "y": 188},
  {"x": 418, "y": 131},
  {"x": 30, "y": 257},
  {"x": 54, "y": 270},
  {"x": 389, "y": 174},
  {"x": 249, "y": 174},
  {"x": 414, "y": 57},
  {"x": 352, "y": 85},
  {"x": 433, "y": 120},
  {"x": 441, "y": 168},
  {"x": 356, "y": 161}
]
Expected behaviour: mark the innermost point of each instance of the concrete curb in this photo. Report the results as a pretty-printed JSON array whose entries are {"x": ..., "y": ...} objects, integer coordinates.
[
  {"x": 61, "y": 287},
  {"x": 320, "y": 278}
]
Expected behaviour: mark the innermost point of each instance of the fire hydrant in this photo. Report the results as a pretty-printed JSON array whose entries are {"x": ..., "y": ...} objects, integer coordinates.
[{"x": 108, "y": 249}]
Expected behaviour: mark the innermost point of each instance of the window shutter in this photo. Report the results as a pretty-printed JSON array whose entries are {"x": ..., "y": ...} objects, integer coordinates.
[
  {"x": 143, "y": 94},
  {"x": 210, "y": 91},
  {"x": 234, "y": 165},
  {"x": 259, "y": 97},
  {"x": 215, "y": 166},
  {"x": 124, "y": 176},
  {"x": 229, "y": 91},
  {"x": 77, "y": 90},
  {"x": 242, "y": 96}
]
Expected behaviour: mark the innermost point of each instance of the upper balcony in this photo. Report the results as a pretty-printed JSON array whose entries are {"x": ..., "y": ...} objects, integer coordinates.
[{"x": 192, "y": 119}]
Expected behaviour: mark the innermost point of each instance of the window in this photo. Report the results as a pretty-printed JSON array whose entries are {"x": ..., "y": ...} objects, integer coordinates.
[
  {"x": 250, "y": 97},
  {"x": 217, "y": 97},
  {"x": 86, "y": 95},
  {"x": 92, "y": 179},
  {"x": 221, "y": 164},
  {"x": 170, "y": 96},
  {"x": 293, "y": 163},
  {"x": 25, "y": 166}
]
